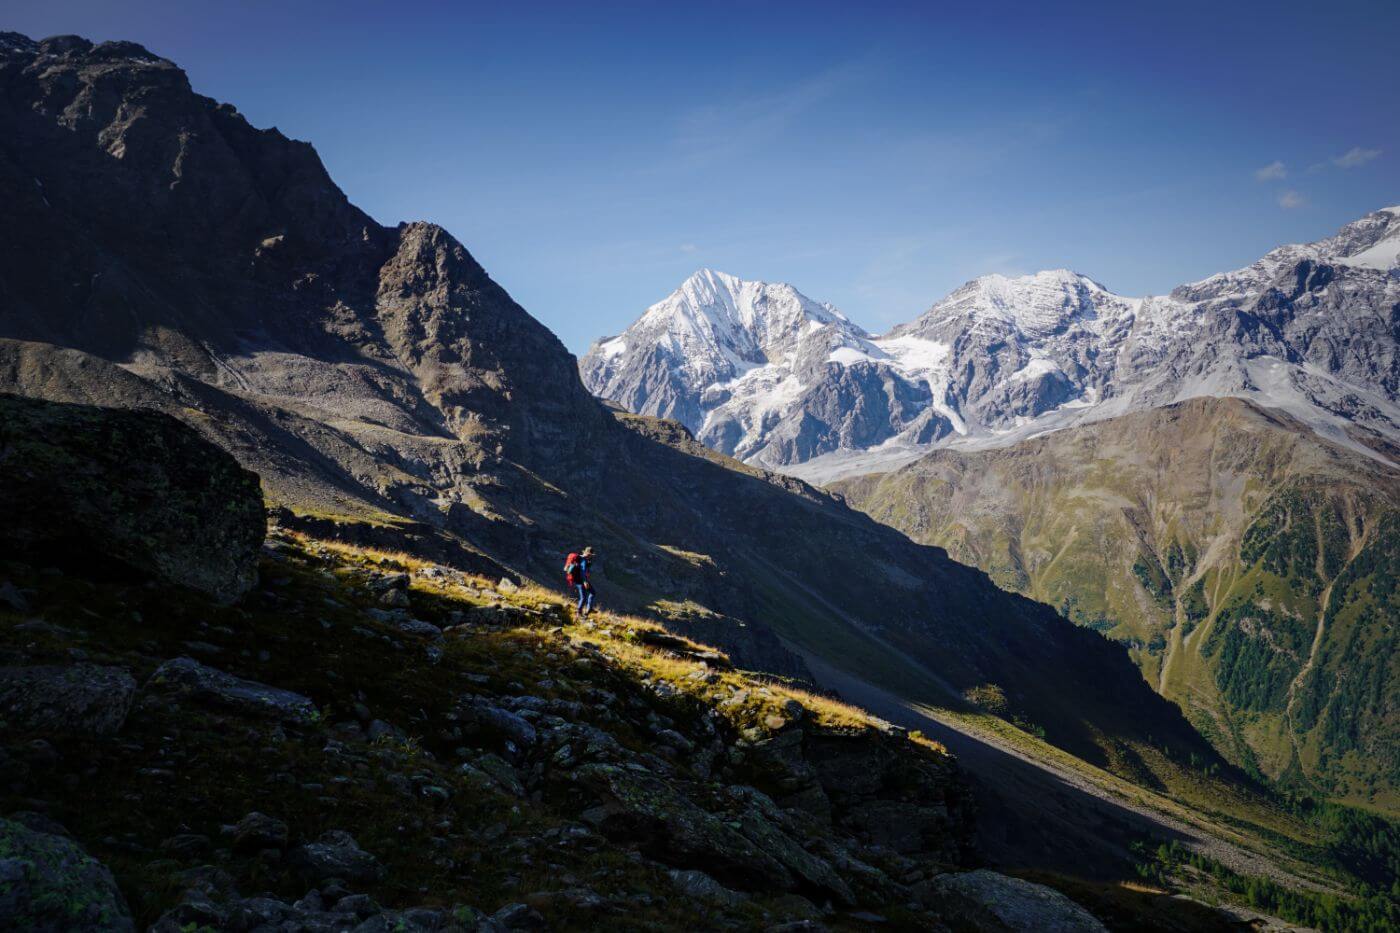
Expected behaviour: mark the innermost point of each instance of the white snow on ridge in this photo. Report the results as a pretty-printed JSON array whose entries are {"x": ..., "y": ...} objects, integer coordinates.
[
  {"x": 849, "y": 356},
  {"x": 852, "y": 462},
  {"x": 916, "y": 355},
  {"x": 1037, "y": 367},
  {"x": 1384, "y": 255}
]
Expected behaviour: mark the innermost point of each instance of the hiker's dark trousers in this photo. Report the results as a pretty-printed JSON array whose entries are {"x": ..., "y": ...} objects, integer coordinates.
[{"x": 585, "y": 598}]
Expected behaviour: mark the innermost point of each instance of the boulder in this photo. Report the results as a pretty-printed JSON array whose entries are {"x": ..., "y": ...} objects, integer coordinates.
[
  {"x": 104, "y": 492},
  {"x": 497, "y": 723},
  {"x": 642, "y": 808},
  {"x": 518, "y": 916},
  {"x": 335, "y": 855},
  {"x": 82, "y": 699},
  {"x": 697, "y": 885},
  {"x": 188, "y": 678},
  {"x": 764, "y": 824},
  {"x": 498, "y": 772},
  {"x": 258, "y": 831},
  {"x": 48, "y": 884},
  {"x": 419, "y": 627},
  {"x": 987, "y": 902}
]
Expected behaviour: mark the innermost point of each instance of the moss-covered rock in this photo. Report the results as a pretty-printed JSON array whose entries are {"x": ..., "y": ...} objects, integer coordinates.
[{"x": 48, "y": 883}]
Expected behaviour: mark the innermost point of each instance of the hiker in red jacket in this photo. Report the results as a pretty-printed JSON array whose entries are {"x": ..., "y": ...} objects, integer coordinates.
[{"x": 576, "y": 567}]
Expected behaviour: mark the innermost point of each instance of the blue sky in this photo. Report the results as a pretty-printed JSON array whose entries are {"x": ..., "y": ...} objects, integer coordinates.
[{"x": 875, "y": 155}]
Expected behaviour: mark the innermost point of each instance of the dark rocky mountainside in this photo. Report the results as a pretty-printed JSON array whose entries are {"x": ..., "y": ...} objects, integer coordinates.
[
  {"x": 162, "y": 253},
  {"x": 374, "y": 742}
]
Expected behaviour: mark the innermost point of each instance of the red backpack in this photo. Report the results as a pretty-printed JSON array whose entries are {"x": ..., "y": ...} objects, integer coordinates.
[{"x": 572, "y": 571}]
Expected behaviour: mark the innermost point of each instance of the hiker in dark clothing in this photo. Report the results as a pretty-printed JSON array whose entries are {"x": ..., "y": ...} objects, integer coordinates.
[{"x": 576, "y": 572}]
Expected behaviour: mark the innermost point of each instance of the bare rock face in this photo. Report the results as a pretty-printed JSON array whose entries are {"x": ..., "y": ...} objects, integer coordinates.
[{"x": 106, "y": 491}]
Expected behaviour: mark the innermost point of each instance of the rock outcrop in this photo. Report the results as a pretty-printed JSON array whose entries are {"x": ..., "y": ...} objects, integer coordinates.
[
  {"x": 120, "y": 492},
  {"x": 189, "y": 679}
]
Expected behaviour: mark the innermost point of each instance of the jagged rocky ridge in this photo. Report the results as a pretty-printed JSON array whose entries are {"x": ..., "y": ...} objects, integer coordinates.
[
  {"x": 162, "y": 253},
  {"x": 763, "y": 373}
]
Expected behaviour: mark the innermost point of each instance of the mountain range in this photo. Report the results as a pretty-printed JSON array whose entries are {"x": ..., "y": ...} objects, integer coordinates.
[
  {"x": 765, "y": 374},
  {"x": 1209, "y": 478}
]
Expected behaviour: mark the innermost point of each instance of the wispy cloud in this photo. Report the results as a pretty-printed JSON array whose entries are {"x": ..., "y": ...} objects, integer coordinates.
[
  {"x": 689, "y": 248},
  {"x": 929, "y": 158},
  {"x": 1355, "y": 156},
  {"x": 718, "y": 131},
  {"x": 1274, "y": 171},
  {"x": 1290, "y": 199}
]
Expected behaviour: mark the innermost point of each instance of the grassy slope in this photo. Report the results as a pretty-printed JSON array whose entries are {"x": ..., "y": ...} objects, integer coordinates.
[{"x": 1207, "y": 538}]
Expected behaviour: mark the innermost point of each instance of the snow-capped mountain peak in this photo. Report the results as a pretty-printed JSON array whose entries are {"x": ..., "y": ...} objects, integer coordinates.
[
  {"x": 1035, "y": 305},
  {"x": 710, "y": 332},
  {"x": 727, "y": 303},
  {"x": 1356, "y": 244}
]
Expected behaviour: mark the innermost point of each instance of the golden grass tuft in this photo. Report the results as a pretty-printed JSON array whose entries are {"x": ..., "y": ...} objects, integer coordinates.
[{"x": 617, "y": 635}]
